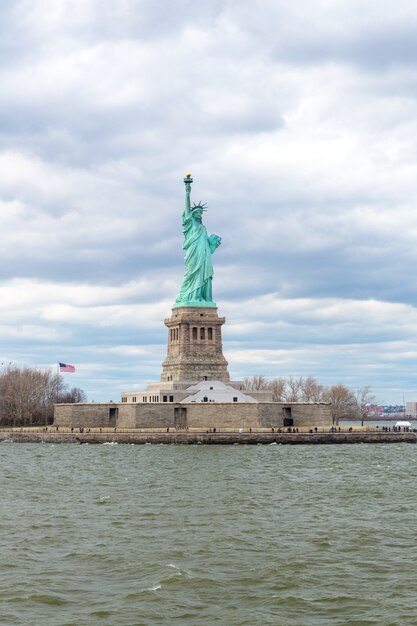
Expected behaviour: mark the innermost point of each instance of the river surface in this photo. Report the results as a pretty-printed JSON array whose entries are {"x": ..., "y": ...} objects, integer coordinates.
[{"x": 125, "y": 535}]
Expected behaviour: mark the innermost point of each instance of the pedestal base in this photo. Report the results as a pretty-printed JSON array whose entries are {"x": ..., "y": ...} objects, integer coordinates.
[{"x": 195, "y": 349}]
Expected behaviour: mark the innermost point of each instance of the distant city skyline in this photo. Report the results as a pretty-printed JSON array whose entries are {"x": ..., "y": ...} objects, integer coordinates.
[{"x": 299, "y": 125}]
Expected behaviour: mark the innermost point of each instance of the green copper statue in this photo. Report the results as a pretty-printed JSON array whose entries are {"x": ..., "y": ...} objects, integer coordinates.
[{"x": 196, "y": 287}]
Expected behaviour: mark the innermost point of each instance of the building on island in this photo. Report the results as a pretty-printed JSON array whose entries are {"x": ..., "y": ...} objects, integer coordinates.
[
  {"x": 410, "y": 409},
  {"x": 195, "y": 390}
]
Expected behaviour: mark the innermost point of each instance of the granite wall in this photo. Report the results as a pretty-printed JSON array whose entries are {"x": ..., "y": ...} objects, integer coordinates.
[{"x": 202, "y": 416}]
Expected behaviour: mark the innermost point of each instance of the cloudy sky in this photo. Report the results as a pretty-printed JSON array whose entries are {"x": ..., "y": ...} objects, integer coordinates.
[{"x": 298, "y": 121}]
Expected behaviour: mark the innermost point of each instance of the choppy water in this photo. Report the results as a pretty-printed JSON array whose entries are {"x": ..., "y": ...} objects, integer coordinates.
[{"x": 241, "y": 535}]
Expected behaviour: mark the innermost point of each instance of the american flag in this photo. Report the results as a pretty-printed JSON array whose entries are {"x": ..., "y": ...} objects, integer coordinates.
[{"x": 66, "y": 367}]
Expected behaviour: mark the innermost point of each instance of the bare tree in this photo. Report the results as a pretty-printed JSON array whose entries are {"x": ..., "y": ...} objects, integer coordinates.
[
  {"x": 293, "y": 390},
  {"x": 278, "y": 387},
  {"x": 27, "y": 395},
  {"x": 343, "y": 402},
  {"x": 365, "y": 401},
  {"x": 311, "y": 390},
  {"x": 255, "y": 383},
  {"x": 71, "y": 397}
]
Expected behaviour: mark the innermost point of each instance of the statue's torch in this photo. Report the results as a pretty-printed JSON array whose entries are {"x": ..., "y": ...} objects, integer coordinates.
[{"x": 188, "y": 180}]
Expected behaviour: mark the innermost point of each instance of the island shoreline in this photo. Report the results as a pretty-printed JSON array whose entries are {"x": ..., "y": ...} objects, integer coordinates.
[{"x": 206, "y": 438}]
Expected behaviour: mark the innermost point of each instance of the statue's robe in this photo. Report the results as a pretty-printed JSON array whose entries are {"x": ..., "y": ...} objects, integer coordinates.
[{"x": 198, "y": 247}]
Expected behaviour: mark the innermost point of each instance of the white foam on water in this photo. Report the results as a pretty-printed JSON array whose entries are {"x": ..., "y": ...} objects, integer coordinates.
[{"x": 178, "y": 570}]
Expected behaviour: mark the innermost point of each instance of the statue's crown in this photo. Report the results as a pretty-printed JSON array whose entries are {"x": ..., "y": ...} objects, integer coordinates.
[{"x": 200, "y": 205}]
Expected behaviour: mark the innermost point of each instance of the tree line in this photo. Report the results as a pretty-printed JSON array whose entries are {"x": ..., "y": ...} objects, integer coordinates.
[
  {"x": 346, "y": 404},
  {"x": 28, "y": 395}
]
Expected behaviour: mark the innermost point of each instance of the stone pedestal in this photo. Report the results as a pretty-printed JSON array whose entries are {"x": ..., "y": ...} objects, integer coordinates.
[{"x": 195, "y": 349}]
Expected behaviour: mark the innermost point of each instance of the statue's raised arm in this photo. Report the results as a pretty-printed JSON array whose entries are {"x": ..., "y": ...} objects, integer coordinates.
[{"x": 196, "y": 287}]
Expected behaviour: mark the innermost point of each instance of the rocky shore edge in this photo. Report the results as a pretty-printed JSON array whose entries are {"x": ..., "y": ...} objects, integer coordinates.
[{"x": 218, "y": 438}]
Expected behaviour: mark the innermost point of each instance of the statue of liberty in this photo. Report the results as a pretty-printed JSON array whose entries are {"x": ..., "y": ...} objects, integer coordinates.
[{"x": 196, "y": 286}]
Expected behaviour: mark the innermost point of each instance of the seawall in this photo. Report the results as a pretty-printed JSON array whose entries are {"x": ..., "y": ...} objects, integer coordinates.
[{"x": 218, "y": 438}]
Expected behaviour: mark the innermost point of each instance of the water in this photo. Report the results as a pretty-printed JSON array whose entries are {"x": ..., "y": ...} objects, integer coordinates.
[{"x": 126, "y": 535}]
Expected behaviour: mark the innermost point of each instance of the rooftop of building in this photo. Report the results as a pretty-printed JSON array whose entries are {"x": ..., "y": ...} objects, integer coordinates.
[{"x": 215, "y": 391}]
